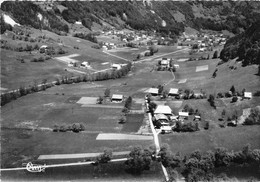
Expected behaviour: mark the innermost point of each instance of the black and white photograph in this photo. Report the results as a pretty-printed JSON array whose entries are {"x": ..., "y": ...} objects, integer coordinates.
[{"x": 129, "y": 91}]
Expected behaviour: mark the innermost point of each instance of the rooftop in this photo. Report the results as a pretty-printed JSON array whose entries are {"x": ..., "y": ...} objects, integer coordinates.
[
  {"x": 186, "y": 114},
  {"x": 117, "y": 96},
  {"x": 173, "y": 91},
  {"x": 162, "y": 109},
  {"x": 153, "y": 90}
]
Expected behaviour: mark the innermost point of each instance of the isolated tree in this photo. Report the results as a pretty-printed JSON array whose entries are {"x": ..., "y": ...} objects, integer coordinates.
[
  {"x": 206, "y": 127},
  {"x": 234, "y": 99},
  {"x": 160, "y": 89},
  {"x": 103, "y": 159},
  {"x": 215, "y": 55},
  {"x": 153, "y": 49},
  {"x": 106, "y": 156},
  {"x": 107, "y": 92},
  {"x": 100, "y": 100},
  {"x": 223, "y": 113},
  {"x": 211, "y": 100},
  {"x": 128, "y": 103},
  {"x": 152, "y": 106},
  {"x": 232, "y": 89},
  {"x": 164, "y": 94}
]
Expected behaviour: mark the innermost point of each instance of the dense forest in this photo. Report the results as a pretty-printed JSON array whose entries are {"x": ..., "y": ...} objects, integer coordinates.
[{"x": 245, "y": 46}]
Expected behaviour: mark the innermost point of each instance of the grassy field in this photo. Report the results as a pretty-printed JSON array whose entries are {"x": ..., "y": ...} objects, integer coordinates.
[
  {"x": 25, "y": 145},
  {"x": 133, "y": 122},
  {"x": 15, "y": 74},
  {"x": 109, "y": 172},
  {"x": 230, "y": 138},
  {"x": 57, "y": 105}
]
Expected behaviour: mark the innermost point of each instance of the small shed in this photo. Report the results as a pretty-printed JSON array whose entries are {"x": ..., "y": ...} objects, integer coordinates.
[
  {"x": 197, "y": 117},
  {"x": 117, "y": 98},
  {"x": 165, "y": 63},
  {"x": 84, "y": 64},
  {"x": 183, "y": 115},
  {"x": 174, "y": 92},
  {"x": 116, "y": 66},
  {"x": 248, "y": 95},
  {"x": 153, "y": 91},
  {"x": 176, "y": 66},
  {"x": 162, "y": 109}
]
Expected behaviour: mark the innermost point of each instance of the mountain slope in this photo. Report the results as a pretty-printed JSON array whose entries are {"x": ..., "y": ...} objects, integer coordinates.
[
  {"x": 245, "y": 46},
  {"x": 167, "y": 17}
]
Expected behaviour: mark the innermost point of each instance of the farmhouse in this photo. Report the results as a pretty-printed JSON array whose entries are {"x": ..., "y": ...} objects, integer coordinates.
[
  {"x": 153, "y": 91},
  {"x": 173, "y": 92},
  {"x": 116, "y": 98},
  {"x": 248, "y": 95},
  {"x": 176, "y": 66},
  {"x": 116, "y": 66},
  {"x": 162, "y": 109},
  {"x": 84, "y": 64},
  {"x": 183, "y": 115},
  {"x": 43, "y": 48},
  {"x": 165, "y": 63}
]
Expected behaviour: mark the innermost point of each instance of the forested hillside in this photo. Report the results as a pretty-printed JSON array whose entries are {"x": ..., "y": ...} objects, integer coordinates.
[
  {"x": 245, "y": 46},
  {"x": 167, "y": 17}
]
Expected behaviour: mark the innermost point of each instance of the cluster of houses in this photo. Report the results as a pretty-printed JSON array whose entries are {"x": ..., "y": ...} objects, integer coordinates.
[
  {"x": 167, "y": 120},
  {"x": 136, "y": 38},
  {"x": 176, "y": 93},
  {"x": 202, "y": 41}
]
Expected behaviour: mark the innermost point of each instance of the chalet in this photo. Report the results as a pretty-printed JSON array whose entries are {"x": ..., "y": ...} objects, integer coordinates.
[
  {"x": 248, "y": 95},
  {"x": 78, "y": 23},
  {"x": 198, "y": 95},
  {"x": 183, "y": 115},
  {"x": 116, "y": 98},
  {"x": 104, "y": 48},
  {"x": 162, "y": 109},
  {"x": 161, "y": 118},
  {"x": 176, "y": 66},
  {"x": 174, "y": 92},
  {"x": 116, "y": 66},
  {"x": 84, "y": 64},
  {"x": 153, "y": 91},
  {"x": 165, "y": 63}
]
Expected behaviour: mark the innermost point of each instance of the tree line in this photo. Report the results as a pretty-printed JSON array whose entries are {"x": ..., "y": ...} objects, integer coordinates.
[
  {"x": 22, "y": 91},
  {"x": 197, "y": 166}
]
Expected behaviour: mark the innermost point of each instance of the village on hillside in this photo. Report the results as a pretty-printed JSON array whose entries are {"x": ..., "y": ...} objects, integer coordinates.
[{"x": 111, "y": 102}]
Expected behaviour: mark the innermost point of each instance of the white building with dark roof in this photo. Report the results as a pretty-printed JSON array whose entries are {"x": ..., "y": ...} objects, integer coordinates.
[
  {"x": 174, "y": 92},
  {"x": 153, "y": 91},
  {"x": 117, "y": 98}
]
